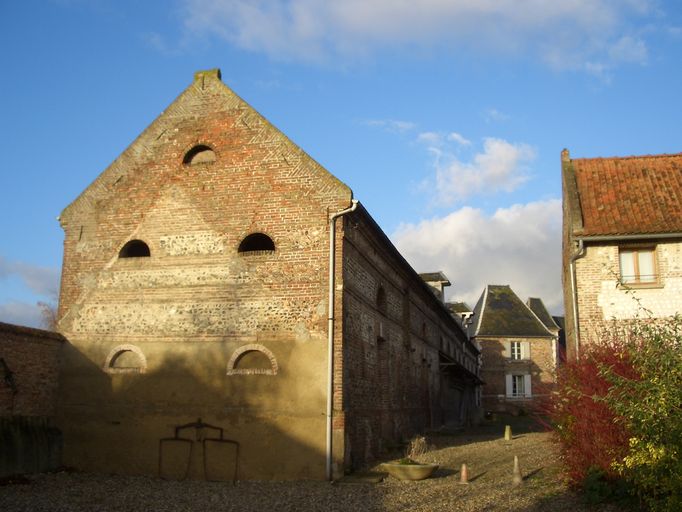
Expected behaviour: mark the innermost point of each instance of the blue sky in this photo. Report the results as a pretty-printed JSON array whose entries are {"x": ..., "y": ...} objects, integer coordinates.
[{"x": 446, "y": 117}]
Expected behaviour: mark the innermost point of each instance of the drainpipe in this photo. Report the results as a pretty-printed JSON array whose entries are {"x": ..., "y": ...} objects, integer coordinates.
[
  {"x": 330, "y": 330},
  {"x": 576, "y": 333}
]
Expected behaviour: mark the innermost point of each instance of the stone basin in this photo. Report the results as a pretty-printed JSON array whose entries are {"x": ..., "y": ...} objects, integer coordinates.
[{"x": 409, "y": 471}]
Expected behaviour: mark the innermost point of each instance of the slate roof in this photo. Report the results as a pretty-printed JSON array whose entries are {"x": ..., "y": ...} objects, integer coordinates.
[
  {"x": 500, "y": 312},
  {"x": 538, "y": 307},
  {"x": 458, "y": 307},
  {"x": 624, "y": 195}
]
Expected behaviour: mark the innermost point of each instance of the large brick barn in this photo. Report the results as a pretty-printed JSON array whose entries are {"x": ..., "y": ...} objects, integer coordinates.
[{"x": 196, "y": 284}]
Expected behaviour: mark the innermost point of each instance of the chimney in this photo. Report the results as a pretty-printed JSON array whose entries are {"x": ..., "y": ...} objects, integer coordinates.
[{"x": 437, "y": 282}]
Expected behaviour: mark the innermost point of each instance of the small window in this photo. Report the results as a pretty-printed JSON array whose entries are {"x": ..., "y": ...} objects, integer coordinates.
[
  {"x": 518, "y": 388},
  {"x": 638, "y": 265},
  {"x": 134, "y": 249},
  {"x": 516, "y": 350},
  {"x": 200, "y": 154},
  {"x": 256, "y": 243},
  {"x": 381, "y": 300}
]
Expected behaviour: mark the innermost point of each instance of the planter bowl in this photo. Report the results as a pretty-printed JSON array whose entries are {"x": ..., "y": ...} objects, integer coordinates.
[{"x": 409, "y": 471}]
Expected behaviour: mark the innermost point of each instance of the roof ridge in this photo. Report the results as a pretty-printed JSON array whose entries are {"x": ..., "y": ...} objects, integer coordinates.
[
  {"x": 628, "y": 157},
  {"x": 480, "y": 314},
  {"x": 536, "y": 316}
]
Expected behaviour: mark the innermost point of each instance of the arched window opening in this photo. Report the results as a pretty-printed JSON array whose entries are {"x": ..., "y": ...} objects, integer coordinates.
[
  {"x": 125, "y": 359},
  {"x": 381, "y": 299},
  {"x": 134, "y": 249},
  {"x": 200, "y": 154},
  {"x": 257, "y": 243},
  {"x": 252, "y": 359}
]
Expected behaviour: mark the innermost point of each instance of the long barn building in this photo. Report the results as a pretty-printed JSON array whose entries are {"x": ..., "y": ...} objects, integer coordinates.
[{"x": 196, "y": 284}]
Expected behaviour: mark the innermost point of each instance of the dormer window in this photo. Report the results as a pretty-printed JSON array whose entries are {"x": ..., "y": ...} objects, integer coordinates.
[
  {"x": 200, "y": 154},
  {"x": 134, "y": 249},
  {"x": 256, "y": 243}
]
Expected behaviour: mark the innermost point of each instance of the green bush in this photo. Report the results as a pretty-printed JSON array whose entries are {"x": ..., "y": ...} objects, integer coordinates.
[
  {"x": 650, "y": 408},
  {"x": 617, "y": 412}
]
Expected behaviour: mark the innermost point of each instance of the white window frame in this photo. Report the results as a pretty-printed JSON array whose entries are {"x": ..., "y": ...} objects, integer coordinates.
[
  {"x": 524, "y": 392},
  {"x": 516, "y": 350},
  {"x": 635, "y": 276}
]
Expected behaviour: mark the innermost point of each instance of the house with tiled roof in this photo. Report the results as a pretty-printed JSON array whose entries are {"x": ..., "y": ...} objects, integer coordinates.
[
  {"x": 519, "y": 351},
  {"x": 622, "y": 241}
]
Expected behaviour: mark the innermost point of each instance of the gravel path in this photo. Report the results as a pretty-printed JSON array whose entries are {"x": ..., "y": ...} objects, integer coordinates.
[{"x": 489, "y": 459}]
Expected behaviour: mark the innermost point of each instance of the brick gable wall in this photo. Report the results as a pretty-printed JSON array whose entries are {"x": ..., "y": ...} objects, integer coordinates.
[{"x": 196, "y": 300}]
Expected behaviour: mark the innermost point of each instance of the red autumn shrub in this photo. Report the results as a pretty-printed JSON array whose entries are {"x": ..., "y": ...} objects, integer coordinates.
[{"x": 588, "y": 434}]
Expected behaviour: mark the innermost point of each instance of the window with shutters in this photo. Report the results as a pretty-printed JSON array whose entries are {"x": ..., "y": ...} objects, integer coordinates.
[
  {"x": 518, "y": 385},
  {"x": 516, "y": 350},
  {"x": 518, "y": 388}
]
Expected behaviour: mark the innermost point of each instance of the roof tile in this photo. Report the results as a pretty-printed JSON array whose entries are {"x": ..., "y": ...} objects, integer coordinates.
[{"x": 630, "y": 195}]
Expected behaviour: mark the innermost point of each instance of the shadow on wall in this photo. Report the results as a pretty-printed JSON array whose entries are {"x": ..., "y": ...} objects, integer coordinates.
[{"x": 113, "y": 422}]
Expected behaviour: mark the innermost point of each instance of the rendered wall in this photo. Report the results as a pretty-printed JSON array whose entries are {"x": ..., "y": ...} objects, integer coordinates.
[{"x": 195, "y": 301}]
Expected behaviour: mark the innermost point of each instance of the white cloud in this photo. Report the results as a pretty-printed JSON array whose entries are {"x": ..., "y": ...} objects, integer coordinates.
[
  {"x": 431, "y": 139},
  {"x": 564, "y": 34},
  {"x": 20, "y": 313},
  {"x": 40, "y": 280},
  {"x": 519, "y": 246},
  {"x": 391, "y": 125},
  {"x": 501, "y": 166},
  {"x": 459, "y": 139}
]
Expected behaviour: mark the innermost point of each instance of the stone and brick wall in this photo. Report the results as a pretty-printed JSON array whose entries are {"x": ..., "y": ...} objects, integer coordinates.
[
  {"x": 196, "y": 301},
  {"x": 29, "y": 379},
  {"x": 395, "y": 335},
  {"x": 602, "y": 298},
  {"x": 29, "y": 373},
  {"x": 539, "y": 363}
]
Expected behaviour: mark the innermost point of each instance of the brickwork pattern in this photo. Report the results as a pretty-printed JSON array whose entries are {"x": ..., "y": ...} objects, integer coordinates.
[
  {"x": 394, "y": 385},
  {"x": 602, "y": 298},
  {"x": 32, "y": 356},
  {"x": 540, "y": 364},
  {"x": 196, "y": 299}
]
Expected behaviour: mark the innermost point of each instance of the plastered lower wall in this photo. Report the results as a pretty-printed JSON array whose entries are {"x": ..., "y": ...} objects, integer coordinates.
[{"x": 602, "y": 298}]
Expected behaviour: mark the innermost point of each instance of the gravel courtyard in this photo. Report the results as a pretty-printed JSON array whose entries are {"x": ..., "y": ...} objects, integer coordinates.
[{"x": 488, "y": 457}]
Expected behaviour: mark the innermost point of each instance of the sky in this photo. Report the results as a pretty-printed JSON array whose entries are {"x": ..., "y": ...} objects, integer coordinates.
[{"x": 445, "y": 117}]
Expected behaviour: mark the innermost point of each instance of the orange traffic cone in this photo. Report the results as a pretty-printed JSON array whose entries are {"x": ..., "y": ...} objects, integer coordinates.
[{"x": 464, "y": 475}]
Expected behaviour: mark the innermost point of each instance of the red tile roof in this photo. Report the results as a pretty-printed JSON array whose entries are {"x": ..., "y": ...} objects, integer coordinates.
[{"x": 631, "y": 195}]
